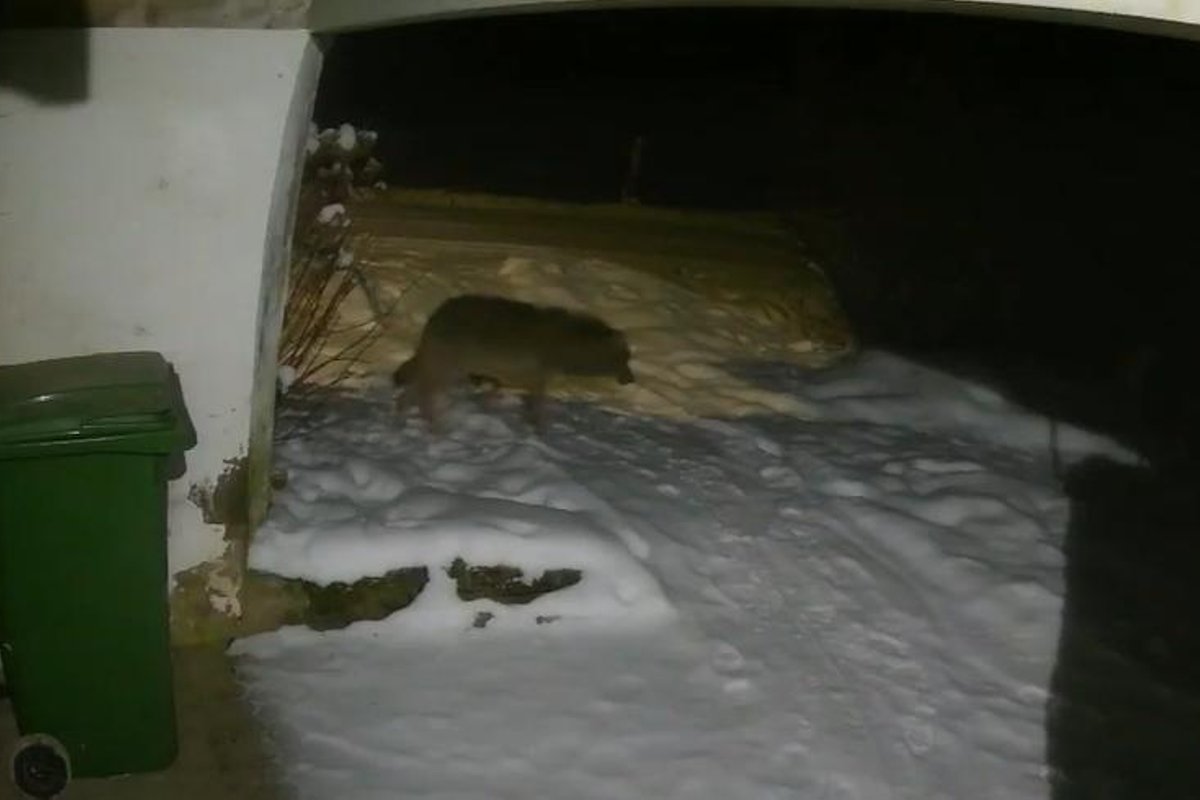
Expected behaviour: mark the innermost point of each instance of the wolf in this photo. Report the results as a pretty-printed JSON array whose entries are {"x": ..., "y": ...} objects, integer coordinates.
[{"x": 494, "y": 340}]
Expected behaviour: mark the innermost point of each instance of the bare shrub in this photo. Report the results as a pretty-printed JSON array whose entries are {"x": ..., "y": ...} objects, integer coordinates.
[{"x": 324, "y": 271}]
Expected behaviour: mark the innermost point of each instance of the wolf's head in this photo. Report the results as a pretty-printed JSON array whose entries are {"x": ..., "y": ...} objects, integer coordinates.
[
  {"x": 586, "y": 345},
  {"x": 618, "y": 358},
  {"x": 603, "y": 353}
]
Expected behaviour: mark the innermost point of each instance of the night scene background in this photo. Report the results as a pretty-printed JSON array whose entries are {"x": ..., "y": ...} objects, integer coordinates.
[
  {"x": 1013, "y": 198},
  {"x": 1014, "y": 201}
]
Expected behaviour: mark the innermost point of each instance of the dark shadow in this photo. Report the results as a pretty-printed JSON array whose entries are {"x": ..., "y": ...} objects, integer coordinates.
[
  {"x": 1123, "y": 719},
  {"x": 45, "y": 51}
]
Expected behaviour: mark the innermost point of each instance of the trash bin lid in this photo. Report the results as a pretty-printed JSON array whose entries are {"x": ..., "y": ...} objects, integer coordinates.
[{"x": 125, "y": 401}]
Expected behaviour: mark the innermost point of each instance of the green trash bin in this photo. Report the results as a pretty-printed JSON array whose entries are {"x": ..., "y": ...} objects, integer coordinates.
[{"x": 87, "y": 446}]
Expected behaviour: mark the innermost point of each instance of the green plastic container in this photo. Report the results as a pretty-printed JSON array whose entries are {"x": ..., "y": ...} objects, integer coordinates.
[{"x": 87, "y": 446}]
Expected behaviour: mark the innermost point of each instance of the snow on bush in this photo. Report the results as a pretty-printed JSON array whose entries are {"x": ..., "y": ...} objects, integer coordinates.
[{"x": 340, "y": 162}]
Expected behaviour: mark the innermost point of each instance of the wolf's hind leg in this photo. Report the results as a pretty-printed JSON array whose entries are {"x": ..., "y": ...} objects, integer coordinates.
[{"x": 535, "y": 406}]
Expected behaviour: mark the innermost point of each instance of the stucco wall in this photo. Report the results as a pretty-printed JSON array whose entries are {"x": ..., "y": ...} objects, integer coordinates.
[{"x": 149, "y": 214}]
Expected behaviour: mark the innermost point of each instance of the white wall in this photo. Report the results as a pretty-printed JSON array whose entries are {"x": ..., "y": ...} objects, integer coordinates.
[{"x": 149, "y": 215}]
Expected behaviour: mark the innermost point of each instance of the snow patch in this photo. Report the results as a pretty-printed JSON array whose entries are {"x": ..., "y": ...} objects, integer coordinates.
[
  {"x": 401, "y": 527},
  {"x": 347, "y": 137},
  {"x": 331, "y": 214},
  {"x": 844, "y": 583}
]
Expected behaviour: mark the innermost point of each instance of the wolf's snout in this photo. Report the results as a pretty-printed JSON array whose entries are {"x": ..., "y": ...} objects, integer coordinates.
[{"x": 625, "y": 376}]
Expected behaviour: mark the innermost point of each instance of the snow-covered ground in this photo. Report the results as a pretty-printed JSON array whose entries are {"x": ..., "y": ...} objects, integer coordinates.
[{"x": 860, "y": 603}]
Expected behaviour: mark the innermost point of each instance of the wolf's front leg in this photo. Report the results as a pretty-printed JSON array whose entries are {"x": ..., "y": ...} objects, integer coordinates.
[
  {"x": 404, "y": 400},
  {"x": 428, "y": 401}
]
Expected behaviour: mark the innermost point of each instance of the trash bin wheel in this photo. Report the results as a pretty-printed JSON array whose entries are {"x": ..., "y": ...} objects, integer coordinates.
[{"x": 40, "y": 767}]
